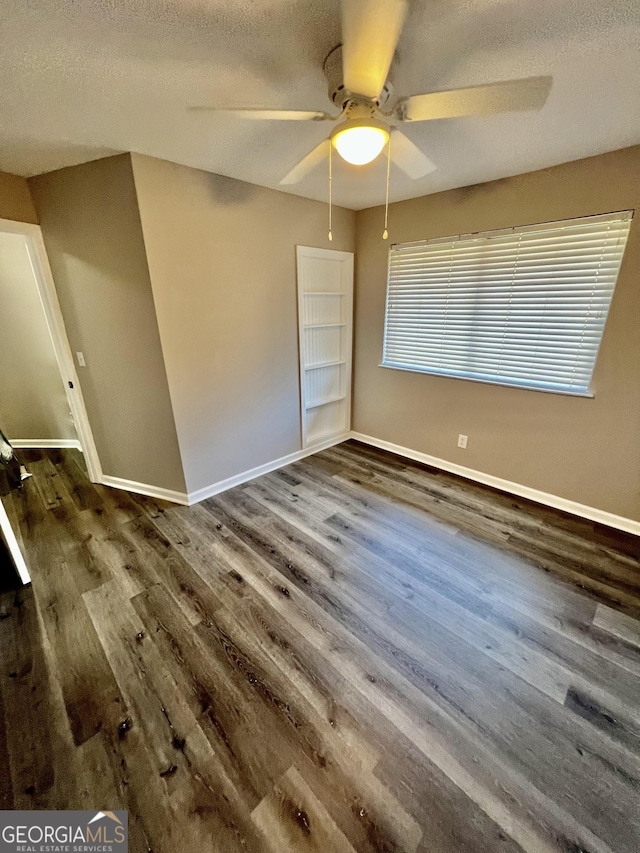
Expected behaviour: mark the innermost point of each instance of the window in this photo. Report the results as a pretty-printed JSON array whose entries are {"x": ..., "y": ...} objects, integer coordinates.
[{"x": 523, "y": 307}]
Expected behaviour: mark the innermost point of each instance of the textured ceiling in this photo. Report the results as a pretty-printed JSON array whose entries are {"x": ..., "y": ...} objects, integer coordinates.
[{"x": 81, "y": 79}]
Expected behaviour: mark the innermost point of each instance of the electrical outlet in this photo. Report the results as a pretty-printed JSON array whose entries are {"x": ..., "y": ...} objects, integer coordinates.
[
  {"x": 462, "y": 441},
  {"x": 81, "y": 361}
]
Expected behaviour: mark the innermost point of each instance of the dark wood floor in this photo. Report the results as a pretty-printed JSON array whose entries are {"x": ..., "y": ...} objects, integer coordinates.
[{"x": 354, "y": 653}]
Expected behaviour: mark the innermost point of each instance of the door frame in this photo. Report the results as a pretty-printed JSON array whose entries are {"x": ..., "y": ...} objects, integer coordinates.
[{"x": 55, "y": 322}]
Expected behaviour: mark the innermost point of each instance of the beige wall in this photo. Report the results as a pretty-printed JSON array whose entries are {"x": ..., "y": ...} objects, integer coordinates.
[
  {"x": 15, "y": 199},
  {"x": 33, "y": 403},
  {"x": 222, "y": 259},
  {"x": 91, "y": 227},
  {"x": 585, "y": 450}
]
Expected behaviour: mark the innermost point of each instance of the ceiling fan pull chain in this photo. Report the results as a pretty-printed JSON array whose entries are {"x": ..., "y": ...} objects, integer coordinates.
[
  {"x": 385, "y": 233},
  {"x": 330, "y": 188}
]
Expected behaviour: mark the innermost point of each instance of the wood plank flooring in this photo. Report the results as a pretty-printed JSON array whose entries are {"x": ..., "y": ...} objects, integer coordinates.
[{"x": 354, "y": 653}]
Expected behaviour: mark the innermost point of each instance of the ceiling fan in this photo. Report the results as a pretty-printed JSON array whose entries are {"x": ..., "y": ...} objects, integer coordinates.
[{"x": 368, "y": 110}]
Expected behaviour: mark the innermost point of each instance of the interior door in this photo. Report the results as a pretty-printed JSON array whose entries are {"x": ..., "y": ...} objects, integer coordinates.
[{"x": 325, "y": 320}]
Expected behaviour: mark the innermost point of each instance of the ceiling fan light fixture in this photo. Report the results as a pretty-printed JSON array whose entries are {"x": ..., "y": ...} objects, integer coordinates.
[{"x": 360, "y": 141}]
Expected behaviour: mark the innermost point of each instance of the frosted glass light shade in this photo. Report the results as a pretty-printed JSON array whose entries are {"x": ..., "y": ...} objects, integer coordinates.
[{"x": 360, "y": 142}]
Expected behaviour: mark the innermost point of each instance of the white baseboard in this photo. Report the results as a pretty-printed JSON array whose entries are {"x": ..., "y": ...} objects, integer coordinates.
[
  {"x": 600, "y": 516},
  {"x": 145, "y": 489},
  {"x": 44, "y": 443},
  {"x": 221, "y": 486},
  {"x": 245, "y": 476},
  {"x": 629, "y": 525}
]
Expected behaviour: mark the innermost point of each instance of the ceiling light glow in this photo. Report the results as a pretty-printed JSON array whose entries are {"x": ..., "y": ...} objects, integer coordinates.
[{"x": 360, "y": 142}]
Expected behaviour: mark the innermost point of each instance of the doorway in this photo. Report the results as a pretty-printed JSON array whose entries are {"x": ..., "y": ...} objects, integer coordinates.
[
  {"x": 34, "y": 411},
  {"x": 40, "y": 395}
]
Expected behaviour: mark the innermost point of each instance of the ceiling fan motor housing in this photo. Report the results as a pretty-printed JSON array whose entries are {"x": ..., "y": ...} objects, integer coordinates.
[
  {"x": 341, "y": 96},
  {"x": 359, "y": 121}
]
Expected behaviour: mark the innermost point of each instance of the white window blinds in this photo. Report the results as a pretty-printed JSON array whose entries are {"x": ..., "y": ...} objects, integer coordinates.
[{"x": 524, "y": 306}]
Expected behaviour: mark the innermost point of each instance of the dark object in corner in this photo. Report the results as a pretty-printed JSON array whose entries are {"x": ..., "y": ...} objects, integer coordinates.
[
  {"x": 12, "y": 472},
  {"x": 9, "y": 579}
]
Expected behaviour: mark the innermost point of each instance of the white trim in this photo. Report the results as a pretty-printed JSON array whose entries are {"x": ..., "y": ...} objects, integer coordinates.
[
  {"x": 591, "y": 513},
  {"x": 55, "y": 322},
  {"x": 44, "y": 443},
  {"x": 145, "y": 489},
  {"x": 238, "y": 479},
  {"x": 222, "y": 485},
  {"x": 346, "y": 259},
  {"x": 12, "y": 544}
]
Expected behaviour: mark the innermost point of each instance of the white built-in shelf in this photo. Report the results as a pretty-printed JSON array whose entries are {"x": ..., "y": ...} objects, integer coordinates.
[
  {"x": 317, "y": 403},
  {"x": 321, "y": 364},
  {"x": 325, "y": 325},
  {"x": 325, "y": 321}
]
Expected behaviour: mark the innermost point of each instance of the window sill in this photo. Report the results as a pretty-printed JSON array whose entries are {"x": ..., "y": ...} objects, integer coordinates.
[{"x": 521, "y": 386}]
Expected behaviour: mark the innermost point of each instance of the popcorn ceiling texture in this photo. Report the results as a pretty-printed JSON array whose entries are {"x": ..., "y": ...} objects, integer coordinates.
[{"x": 86, "y": 78}]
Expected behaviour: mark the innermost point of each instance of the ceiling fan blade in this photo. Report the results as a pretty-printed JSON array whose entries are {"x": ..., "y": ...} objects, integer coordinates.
[
  {"x": 308, "y": 163},
  {"x": 409, "y": 157},
  {"x": 370, "y": 33},
  {"x": 529, "y": 93},
  {"x": 269, "y": 115}
]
